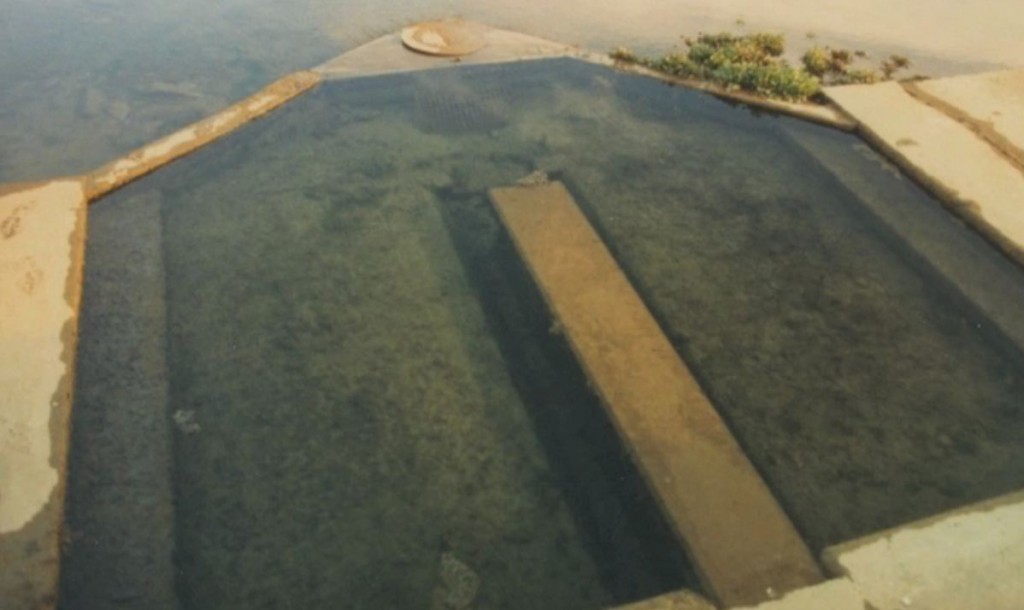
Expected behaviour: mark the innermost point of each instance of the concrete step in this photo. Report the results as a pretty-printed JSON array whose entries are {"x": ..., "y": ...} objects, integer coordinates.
[{"x": 741, "y": 542}]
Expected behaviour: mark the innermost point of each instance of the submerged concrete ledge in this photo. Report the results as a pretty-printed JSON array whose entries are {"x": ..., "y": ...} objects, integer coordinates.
[
  {"x": 163, "y": 151},
  {"x": 741, "y": 542},
  {"x": 42, "y": 237}
]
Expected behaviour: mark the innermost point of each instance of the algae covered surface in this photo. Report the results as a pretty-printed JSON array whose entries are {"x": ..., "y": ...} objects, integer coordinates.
[
  {"x": 362, "y": 416},
  {"x": 369, "y": 410}
]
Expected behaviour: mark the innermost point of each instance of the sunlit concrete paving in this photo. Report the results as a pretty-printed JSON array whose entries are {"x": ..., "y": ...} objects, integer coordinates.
[
  {"x": 971, "y": 558},
  {"x": 991, "y": 104}
]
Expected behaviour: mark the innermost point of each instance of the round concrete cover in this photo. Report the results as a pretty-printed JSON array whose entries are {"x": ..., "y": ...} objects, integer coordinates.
[{"x": 448, "y": 38}]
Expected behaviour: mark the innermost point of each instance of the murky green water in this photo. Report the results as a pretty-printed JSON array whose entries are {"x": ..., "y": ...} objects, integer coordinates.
[{"x": 366, "y": 408}]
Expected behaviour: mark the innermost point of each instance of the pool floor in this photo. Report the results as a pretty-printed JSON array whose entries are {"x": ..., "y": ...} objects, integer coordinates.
[{"x": 361, "y": 401}]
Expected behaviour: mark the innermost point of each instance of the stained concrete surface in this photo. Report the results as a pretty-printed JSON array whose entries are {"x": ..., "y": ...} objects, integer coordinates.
[
  {"x": 41, "y": 240},
  {"x": 990, "y": 103}
]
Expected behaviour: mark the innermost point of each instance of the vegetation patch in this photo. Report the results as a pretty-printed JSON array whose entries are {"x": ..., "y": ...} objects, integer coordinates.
[{"x": 754, "y": 63}]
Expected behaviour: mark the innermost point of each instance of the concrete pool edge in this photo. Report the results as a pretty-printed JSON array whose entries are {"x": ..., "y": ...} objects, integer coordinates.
[
  {"x": 43, "y": 230},
  {"x": 977, "y": 182},
  {"x": 155, "y": 155},
  {"x": 970, "y": 557}
]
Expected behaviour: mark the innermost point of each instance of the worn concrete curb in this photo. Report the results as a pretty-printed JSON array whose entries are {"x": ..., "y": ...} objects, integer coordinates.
[{"x": 167, "y": 149}]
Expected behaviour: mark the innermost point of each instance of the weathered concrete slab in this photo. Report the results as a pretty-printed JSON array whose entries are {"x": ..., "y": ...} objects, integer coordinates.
[
  {"x": 971, "y": 558},
  {"x": 677, "y": 600},
  {"x": 991, "y": 104},
  {"x": 964, "y": 170},
  {"x": 42, "y": 233},
  {"x": 387, "y": 54},
  {"x": 839, "y": 594},
  {"x": 184, "y": 141},
  {"x": 741, "y": 542}
]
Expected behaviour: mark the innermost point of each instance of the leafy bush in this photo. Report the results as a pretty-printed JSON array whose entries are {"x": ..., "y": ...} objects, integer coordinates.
[
  {"x": 753, "y": 63},
  {"x": 832, "y": 67}
]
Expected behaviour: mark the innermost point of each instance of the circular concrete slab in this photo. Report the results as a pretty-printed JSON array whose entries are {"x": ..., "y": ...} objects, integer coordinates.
[{"x": 446, "y": 38}]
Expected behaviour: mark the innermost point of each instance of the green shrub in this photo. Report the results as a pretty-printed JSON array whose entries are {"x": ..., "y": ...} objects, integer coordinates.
[{"x": 753, "y": 63}]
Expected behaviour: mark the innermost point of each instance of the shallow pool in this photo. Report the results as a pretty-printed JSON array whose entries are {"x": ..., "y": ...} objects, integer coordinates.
[{"x": 337, "y": 364}]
